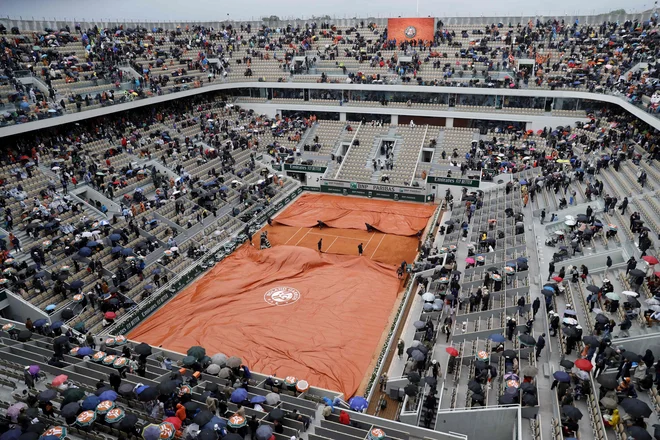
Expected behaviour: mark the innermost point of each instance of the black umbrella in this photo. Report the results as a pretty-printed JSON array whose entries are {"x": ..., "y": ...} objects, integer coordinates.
[
  {"x": 47, "y": 395},
  {"x": 203, "y": 417},
  {"x": 67, "y": 314},
  {"x": 634, "y": 302},
  {"x": 128, "y": 423},
  {"x": 431, "y": 381},
  {"x": 569, "y": 331},
  {"x": 474, "y": 386},
  {"x": 143, "y": 349},
  {"x": 571, "y": 412},
  {"x": 70, "y": 410},
  {"x": 509, "y": 354},
  {"x": 631, "y": 356},
  {"x": 276, "y": 414},
  {"x": 527, "y": 339},
  {"x": 191, "y": 406},
  {"x": 411, "y": 390},
  {"x": 478, "y": 398},
  {"x": 506, "y": 399},
  {"x": 449, "y": 222},
  {"x": 24, "y": 335},
  {"x": 602, "y": 319},
  {"x": 148, "y": 394},
  {"x": 529, "y": 399},
  {"x": 637, "y": 273},
  {"x": 528, "y": 387},
  {"x": 566, "y": 364},
  {"x": 656, "y": 432},
  {"x": 414, "y": 377},
  {"x": 593, "y": 289},
  {"x": 29, "y": 436},
  {"x": 636, "y": 408},
  {"x": 591, "y": 340},
  {"x": 479, "y": 365},
  {"x": 126, "y": 389},
  {"x": 608, "y": 382},
  {"x": 38, "y": 427},
  {"x": 102, "y": 390},
  {"x": 638, "y": 433},
  {"x": 167, "y": 387}
]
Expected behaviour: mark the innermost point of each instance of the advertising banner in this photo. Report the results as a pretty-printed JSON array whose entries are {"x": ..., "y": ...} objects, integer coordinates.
[{"x": 403, "y": 29}]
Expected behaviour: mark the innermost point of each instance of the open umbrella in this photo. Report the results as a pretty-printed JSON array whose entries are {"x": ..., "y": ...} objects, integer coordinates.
[
  {"x": 609, "y": 403},
  {"x": 591, "y": 340},
  {"x": 148, "y": 394},
  {"x": 607, "y": 382},
  {"x": 219, "y": 359},
  {"x": 359, "y": 403},
  {"x": 451, "y": 351},
  {"x": 571, "y": 412},
  {"x": 566, "y": 364},
  {"x": 593, "y": 289},
  {"x": 276, "y": 414},
  {"x": 530, "y": 371},
  {"x": 264, "y": 432},
  {"x": 475, "y": 386},
  {"x": 272, "y": 398},
  {"x": 90, "y": 402},
  {"x": 47, "y": 395},
  {"x": 236, "y": 421},
  {"x": 497, "y": 338},
  {"x": 108, "y": 395},
  {"x": 583, "y": 364},
  {"x": 151, "y": 432},
  {"x": 104, "y": 406},
  {"x": 411, "y": 390},
  {"x": 562, "y": 376},
  {"x": 197, "y": 352},
  {"x": 239, "y": 395},
  {"x": 86, "y": 418},
  {"x": 631, "y": 356},
  {"x": 650, "y": 259},
  {"x": 414, "y": 377},
  {"x": 636, "y": 408},
  {"x": 527, "y": 340},
  {"x": 637, "y": 273},
  {"x": 203, "y": 417},
  {"x": 234, "y": 362},
  {"x": 143, "y": 349},
  {"x": 115, "y": 415},
  {"x": 58, "y": 432},
  {"x": 638, "y": 433}
]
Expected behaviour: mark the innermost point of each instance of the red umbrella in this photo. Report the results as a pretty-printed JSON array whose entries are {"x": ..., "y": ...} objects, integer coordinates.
[
  {"x": 583, "y": 365},
  {"x": 59, "y": 380},
  {"x": 558, "y": 279},
  {"x": 24, "y": 157},
  {"x": 650, "y": 259},
  {"x": 110, "y": 315},
  {"x": 175, "y": 421},
  {"x": 452, "y": 351},
  {"x": 657, "y": 274}
]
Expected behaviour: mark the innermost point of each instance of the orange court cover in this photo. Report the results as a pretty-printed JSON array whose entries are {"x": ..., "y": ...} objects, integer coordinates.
[
  {"x": 397, "y": 218},
  {"x": 288, "y": 311},
  {"x": 402, "y": 29}
]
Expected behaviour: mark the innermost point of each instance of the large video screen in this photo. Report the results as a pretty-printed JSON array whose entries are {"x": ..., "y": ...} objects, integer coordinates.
[{"x": 403, "y": 29}]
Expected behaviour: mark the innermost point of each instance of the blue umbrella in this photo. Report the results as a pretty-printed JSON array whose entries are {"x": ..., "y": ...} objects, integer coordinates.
[
  {"x": 85, "y": 252},
  {"x": 239, "y": 395},
  {"x": 156, "y": 271},
  {"x": 497, "y": 338},
  {"x": 148, "y": 287},
  {"x": 358, "y": 403},
  {"x": 215, "y": 421},
  {"x": 116, "y": 249},
  {"x": 115, "y": 237},
  {"x": 90, "y": 403},
  {"x": 108, "y": 395},
  {"x": 50, "y": 307},
  {"x": 511, "y": 264},
  {"x": 523, "y": 182},
  {"x": 56, "y": 325},
  {"x": 77, "y": 284},
  {"x": 562, "y": 376},
  {"x": 14, "y": 434},
  {"x": 85, "y": 351},
  {"x": 258, "y": 399},
  {"x": 521, "y": 260},
  {"x": 141, "y": 388},
  {"x": 126, "y": 251},
  {"x": 548, "y": 288},
  {"x": 92, "y": 244},
  {"x": 40, "y": 322}
]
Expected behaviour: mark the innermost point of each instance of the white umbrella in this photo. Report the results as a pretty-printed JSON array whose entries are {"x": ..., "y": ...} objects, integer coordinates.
[
  {"x": 219, "y": 359},
  {"x": 428, "y": 297},
  {"x": 569, "y": 217},
  {"x": 570, "y": 321},
  {"x": 86, "y": 234},
  {"x": 630, "y": 293},
  {"x": 213, "y": 369},
  {"x": 569, "y": 222},
  {"x": 653, "y": 302},
  {"x": 272, "y": 398}
]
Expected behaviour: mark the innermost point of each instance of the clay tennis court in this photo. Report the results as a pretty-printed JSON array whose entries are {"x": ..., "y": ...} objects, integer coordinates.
[{"x": 291, "y": 310}]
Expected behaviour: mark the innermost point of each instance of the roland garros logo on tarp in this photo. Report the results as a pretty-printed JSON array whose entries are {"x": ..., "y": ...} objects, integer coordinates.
[{"x": 282, "y": 296}]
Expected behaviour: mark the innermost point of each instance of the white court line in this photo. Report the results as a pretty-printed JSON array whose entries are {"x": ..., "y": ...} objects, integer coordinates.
[
  {"x": 330, "y": 235},
  {"x": 371, "y": 238},
  {"x": 381, "y": 240},
  {"x": 303, "y": 237},
  {"x": 333, "y": 242},
  {"x": 287, "y": 242}
]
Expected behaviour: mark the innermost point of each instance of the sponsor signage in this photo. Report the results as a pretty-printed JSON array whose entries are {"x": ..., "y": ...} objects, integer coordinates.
[
  {"x": 379, "y": 191},
  {"x": 304, "y": 168},
  {"x": 470, "y": 183}
]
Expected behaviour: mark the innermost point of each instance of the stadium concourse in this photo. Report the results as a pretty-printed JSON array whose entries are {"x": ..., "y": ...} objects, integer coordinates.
[{"x": 530, "y": 300}]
